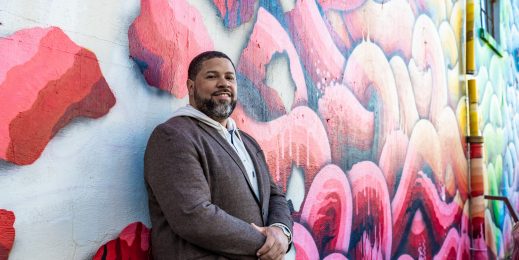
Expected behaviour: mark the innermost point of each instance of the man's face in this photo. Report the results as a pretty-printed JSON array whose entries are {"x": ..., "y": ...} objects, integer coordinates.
[{"x": 214, "y": 90}]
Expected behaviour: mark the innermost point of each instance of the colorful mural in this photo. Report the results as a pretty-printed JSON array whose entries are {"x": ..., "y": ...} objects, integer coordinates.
[
  {"x": 364, "y": 109},
  {"x": 359, "y": 107},
  {"x": 498, "y": 89}
]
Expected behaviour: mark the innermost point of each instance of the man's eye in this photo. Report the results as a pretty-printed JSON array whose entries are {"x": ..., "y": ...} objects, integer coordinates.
[
  {"x": 230, "y": 78},
  {"x": 210, "y": 76}
]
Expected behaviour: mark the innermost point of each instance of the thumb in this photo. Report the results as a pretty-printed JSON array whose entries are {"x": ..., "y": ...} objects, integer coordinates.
[{"x": 260, "y": 229}]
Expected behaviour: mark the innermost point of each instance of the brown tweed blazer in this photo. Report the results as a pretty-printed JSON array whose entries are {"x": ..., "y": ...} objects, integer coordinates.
[{"x": 200, "y": 199}]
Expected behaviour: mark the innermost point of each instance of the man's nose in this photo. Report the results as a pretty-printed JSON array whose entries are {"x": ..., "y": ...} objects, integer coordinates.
[{"x": 223, "y": 83}]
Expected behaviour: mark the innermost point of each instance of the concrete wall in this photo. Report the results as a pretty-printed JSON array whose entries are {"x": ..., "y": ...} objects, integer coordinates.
[{"x": 358, "y": 105}]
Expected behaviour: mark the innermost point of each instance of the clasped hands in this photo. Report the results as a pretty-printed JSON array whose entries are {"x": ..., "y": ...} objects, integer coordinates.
[{"x": 276, "y": 244}]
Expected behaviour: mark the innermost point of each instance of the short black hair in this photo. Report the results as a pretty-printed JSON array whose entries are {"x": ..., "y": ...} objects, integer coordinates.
[{"x": 196, "y": 63}]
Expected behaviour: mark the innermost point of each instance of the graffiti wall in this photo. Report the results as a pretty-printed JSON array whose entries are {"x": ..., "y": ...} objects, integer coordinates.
[
  {"x": 359, "y": 107},
  {"x": 498, "y": 89}
]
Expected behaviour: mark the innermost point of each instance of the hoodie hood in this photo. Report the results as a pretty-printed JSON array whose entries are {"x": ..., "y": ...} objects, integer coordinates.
[{"x": 190, "y": 111}]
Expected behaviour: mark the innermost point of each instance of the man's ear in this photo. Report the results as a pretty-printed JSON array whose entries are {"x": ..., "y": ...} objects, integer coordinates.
[{"x": 190, "y": 86}]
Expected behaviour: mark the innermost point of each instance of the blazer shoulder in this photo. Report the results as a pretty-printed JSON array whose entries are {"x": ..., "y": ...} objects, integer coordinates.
[
  {"x": 177, "y": 123},
  {"x": 181, "y": 127}
]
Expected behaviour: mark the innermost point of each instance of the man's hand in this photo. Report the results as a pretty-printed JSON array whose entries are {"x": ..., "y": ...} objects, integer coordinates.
[{"x": 276, "y": 244}]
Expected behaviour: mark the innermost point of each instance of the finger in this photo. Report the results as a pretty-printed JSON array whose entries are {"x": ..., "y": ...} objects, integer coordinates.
[
  {"x": 274, "y": 249},
  {"x": 267, "y": 246},
  {"x": 273, "y": 253}
]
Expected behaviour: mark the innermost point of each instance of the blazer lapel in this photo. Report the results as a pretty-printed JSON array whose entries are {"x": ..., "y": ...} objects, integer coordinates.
[
  {"x": 253, "y": 155},
  {"x": 263, "y": 176},
  {"x": 230, "y": 150}
]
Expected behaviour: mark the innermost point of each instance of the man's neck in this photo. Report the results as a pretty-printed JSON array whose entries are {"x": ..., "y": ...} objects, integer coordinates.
[{"x": 223, "y": 122}]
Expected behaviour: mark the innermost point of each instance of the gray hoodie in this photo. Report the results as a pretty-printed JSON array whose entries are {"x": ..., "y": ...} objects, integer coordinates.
[{"x": 231, "y": 134}]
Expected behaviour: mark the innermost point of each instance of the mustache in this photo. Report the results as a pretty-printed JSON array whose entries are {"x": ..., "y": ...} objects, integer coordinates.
[{"x": 218, "y": 92}]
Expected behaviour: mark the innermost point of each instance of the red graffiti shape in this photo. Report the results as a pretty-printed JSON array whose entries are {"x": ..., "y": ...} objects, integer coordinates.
[
  {"x": 163, "y": 39},
  {"x": 132, "y": 243},
  {"x": 6, "y": 233},
  {"x": 65, "y": 82},
  {"x": 418, "y": 244},
  {"x": 441, "y": 215}
]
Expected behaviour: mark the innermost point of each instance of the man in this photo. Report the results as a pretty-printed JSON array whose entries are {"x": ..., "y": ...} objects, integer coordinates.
[{"x": 210, "y": 193}]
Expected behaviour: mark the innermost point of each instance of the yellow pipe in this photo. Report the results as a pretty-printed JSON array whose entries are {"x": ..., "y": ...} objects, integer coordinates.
[
  {"x": 470, "y": 48},
  {"x": 473, "y": 108}
]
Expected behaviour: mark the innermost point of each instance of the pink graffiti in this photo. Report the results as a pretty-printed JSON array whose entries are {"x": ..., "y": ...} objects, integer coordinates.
[
  {"x": 234, "y": 11},
  {"x": 427, "y": 54},
  {"x": 368, "y": 71},
  {"x": 321, "y": 58},
  {"x": 327, "y": 210},
  {"x": 464, "y": 241},
  {"x": 371, "y": 21},
  {"x": 392, "y": 158},
  {"x": 453, "y": 155},
  {"x": 372, "y": 212},
  {"x": 337, "y": 28},
  {"x": 341, "y": 4},
  {"x": 335, "y": 256},
  {"x": 304, "y": 243},
  {"x": 450, "y": 248},
  {"x": 6, "y": 233},
  {"x": 287, "y": 141},
  {"x": 65, "y": 82},
  {"x": 163, "y": 39},
  {"x": 414, "y": 186},
  {"x": 423, "y": 149},
  {"x": 406, "y": 100},
  {"x": 267, "y": 39},
  {"x": 132, "y": 243},
  {"x": 348, "y": 124}
]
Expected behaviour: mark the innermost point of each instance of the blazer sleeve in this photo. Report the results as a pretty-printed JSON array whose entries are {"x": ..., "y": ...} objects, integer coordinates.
[
  {"x": 174, "y": 175},
  {"x": 278, "y": 207}
]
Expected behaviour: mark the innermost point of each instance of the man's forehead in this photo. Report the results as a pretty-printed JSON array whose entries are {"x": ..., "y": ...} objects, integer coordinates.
[{"x": 217, "y": 64}]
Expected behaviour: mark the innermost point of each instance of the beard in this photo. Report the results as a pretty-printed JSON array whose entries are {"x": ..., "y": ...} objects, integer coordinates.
[{"x": 216, "y": 110}]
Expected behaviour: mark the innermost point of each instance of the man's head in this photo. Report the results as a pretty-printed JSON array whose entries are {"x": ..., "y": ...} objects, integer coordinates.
[{"x": 212, "y": 85}]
